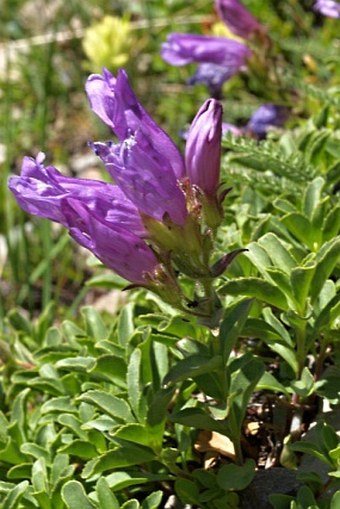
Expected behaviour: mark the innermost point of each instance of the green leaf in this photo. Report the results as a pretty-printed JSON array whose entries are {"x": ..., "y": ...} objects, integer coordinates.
[
  {"x": 22, "y": 471},
  {"x": 199, "y": 419},
  {"x": 80, "y": 364},
  {"x": 301, "y": 278},
  {"x": 312, "y": 196},
  {"x": 325, "y": 263},
  {"x": 109, "y": 404},
  {"x": 191, "y": 367},
  {"x": 232, "y": 325},
  {"x": 125, "y": 324},
  {"x": 107, "y": 280},
  {"x": 60, "y": 468},
  {"x": 333, "y": 173},
  {"x": 74, "y": 496},
  {"x": 278, "y": 326},
  {"x": 14, "y": 496},
  {"x": 133, "y": 380},
  {"x": 269, "y": 382},
  {"x": 187, "y": 491},
  {"x": 39, "y": 476},
  {"x": 331, "y": 226},
  {"x": 277, "y": 252},
  {"x": 102, "y": 423},
  {"x": 111, "y": 367},
  {"x": 141, "y": 434},
  {"x": 35, "y": 450},
  {"x": 235, "y": 477},
  {"x": 178, "y": 326},
  {"x": 119, "y": 457},
  {"x": 255, "y": 288},
  {"x": 305, "y": 497},
  {"x": 287, "y": 354},
  {"x": 95, "y": 326},
  {"x": 242, "y": 384},
  {"x": 19, "y": 322},
  {"x": 335, "y": 502},
  {"x": 131, "y": 504},
  {"x": 157, "y": 412},
  {"x": 121, "y": 480},
  {"x": 74, "y": 424},
  {"x": 153, "y": 500},
  {"x": 300, "y": 227},
  {"x": 305, "y": 386},
  {"x": 310, "y": 448},
  {"x": 106, "y": 498},
  {"x": 80, "y": 448},
  {"x": 279, "y": 501},
  {"x": 259, "y": 257},
  {"x": 61, "y": 405}
]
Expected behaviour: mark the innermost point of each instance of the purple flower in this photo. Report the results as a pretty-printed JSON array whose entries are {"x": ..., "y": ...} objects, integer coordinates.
[
  {"x": 203, "y": 147},
  {"x": 213, "y": 76},
  {"x": 328, "y": 8},
  {"x": 97, "y": 214},
  {"x": 237, "y": 18},
  {"x": 219, "y": 58},
  {"x": 266, "y": 116},
  {"x": 39, "y": 190},
  {"x": 182, "y": 49},
  {"x": 113, "y": 100}
]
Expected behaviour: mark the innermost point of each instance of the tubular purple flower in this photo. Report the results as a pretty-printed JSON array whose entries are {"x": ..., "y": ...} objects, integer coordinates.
[
  {"x": 116, "y": 247},
  {"x": 182, "y": 49},
  {"x": 40, "y": 190},
  {"x": 218, "y": 58},
  {"x": 114, "y": 101},
  {"x": 213, "y": 76},
  {"x": 266, "y": 116},
  {"x": 328, "y": 8},
  {"x": 203, "y": 147},
  {"x": 237, "y": 18},
  {"x": 145, "y": 176}
]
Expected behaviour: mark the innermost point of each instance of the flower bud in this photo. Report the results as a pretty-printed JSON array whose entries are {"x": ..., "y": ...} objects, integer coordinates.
[
  {"x": 203, "y": 148},
  {"x": 237, "y": 18}
]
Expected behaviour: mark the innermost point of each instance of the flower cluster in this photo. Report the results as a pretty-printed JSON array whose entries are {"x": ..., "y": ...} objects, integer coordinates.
[
  {"x": 161, "y": 210},
  {"x": 218, "y": 58},
  {"x": 107, "y": 43}
]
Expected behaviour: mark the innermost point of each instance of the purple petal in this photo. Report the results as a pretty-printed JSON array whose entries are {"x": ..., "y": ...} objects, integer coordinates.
[
  {"x": 237, "y": 18},
  {"x": 40, "y": 191},
  {"x": 203, "y": 147},
  {"x": 328, "y": 8},
  {"x": 145, "y": 176},
  {"x": 113, "y": 100},
  {"x": 117, "y": 248},
  {"x": 181, "y": 49}
]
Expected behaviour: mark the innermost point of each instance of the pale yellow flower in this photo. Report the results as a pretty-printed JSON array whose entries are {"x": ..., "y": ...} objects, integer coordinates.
[{"x": 108, "y": 43}]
